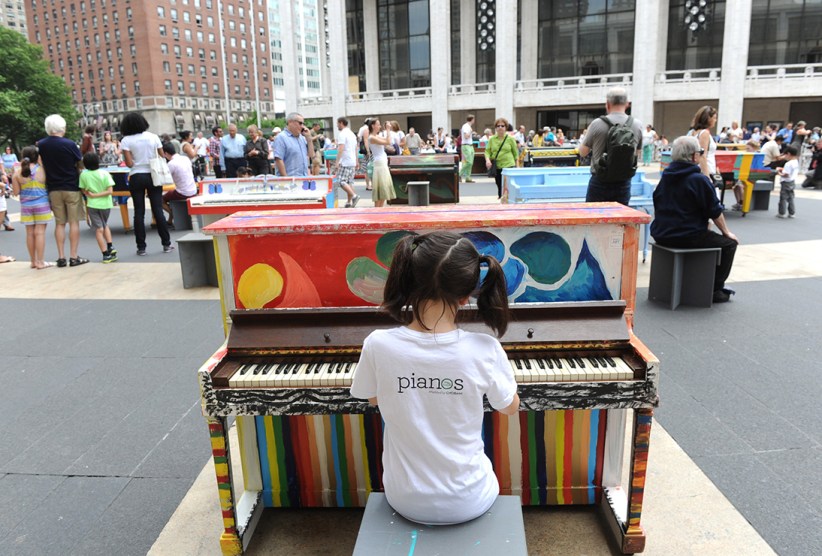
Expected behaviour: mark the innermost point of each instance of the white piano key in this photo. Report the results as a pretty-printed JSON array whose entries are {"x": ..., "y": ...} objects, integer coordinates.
[{"x": 238, "y": 376}]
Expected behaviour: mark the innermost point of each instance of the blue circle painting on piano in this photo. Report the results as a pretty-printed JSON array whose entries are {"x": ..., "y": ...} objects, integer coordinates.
[{"x": 537, "y": 267}]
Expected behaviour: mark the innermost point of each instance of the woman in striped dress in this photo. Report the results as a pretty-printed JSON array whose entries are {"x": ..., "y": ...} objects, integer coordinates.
[{"x": 35, "y": 213}]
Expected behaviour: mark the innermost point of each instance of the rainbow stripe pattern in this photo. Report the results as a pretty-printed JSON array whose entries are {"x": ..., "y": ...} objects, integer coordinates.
[{"x": 546, "y": 457}]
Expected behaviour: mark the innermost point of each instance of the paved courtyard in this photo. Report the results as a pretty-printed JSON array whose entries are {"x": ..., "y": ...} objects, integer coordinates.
[{"x": 103, "y": 440}]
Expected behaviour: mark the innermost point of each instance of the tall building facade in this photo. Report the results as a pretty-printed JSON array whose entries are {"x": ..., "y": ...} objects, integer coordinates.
[
  {"x": 13, "y": 15},
  {"x": 427, "y": 63},
  {"x": 185, "y": 64}
]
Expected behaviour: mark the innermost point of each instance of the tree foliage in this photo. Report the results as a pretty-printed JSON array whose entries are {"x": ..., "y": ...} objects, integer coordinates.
[{"x": 29, "y": 92}]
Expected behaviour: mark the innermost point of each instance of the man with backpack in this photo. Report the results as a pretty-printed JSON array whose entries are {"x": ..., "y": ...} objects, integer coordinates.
[{"x": 614, "y": 142}]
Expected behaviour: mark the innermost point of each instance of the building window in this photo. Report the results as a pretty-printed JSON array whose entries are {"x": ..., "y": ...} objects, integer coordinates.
[
  {"x": 456, "y": 65},
  {"x": 163, "y": 31},
  {"x": 405, "y": 60},
  {"x": 164, "y": 48},
  {"x": 785, "y": 33},
  {"x": 167, "y": 85},
  {"x": 584, "y": 38},
  {"x": 687, "y": 50},
  {"x": 161, "y": 12}
]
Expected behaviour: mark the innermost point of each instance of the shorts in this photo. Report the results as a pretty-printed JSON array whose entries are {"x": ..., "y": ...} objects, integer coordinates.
[
  {"x": 98, "y": 218},
  {"x": 346, "y": 174},
  {"x": 67, "y": 206},
  {"x": 174, "y": 195}
]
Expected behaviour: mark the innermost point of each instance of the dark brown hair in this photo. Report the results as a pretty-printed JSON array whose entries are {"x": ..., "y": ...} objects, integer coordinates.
[
  {"x": 30, "y": 155},
  {"x": 702, "y": 118},
  {"x": 444, "y": 266}
]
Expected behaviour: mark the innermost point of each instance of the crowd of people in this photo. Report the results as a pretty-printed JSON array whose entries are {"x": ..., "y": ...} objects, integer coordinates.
[{"x": 57, "y": 179}]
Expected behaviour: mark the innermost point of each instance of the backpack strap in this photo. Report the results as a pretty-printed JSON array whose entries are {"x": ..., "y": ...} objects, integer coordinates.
[{"x": 607, "y": 121}]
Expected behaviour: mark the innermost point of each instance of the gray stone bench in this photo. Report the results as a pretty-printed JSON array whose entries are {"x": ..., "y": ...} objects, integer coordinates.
[
  {"x": 499, "y": 531},
  {"x": 179, "y": 213},
  {"x": 761, "y": 198},
  {"x": 683, "y": 276},
  {"x": 197, "y": 261}
]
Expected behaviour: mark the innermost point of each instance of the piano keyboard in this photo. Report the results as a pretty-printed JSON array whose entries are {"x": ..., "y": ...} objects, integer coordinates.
[
  {"x": 300, "y": 374},
  {"x": 257, "y": 198}
]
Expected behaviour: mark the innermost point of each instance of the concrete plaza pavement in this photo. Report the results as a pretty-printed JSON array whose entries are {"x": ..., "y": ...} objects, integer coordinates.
[{"x": 103, "y": 438}]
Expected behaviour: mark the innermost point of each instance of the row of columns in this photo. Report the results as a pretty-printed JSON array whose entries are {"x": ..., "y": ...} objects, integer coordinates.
[{"x": 650, "y": 40}]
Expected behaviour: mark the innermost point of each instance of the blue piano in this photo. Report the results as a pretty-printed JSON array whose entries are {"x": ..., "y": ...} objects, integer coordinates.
[{"x": 569, "y": 185}]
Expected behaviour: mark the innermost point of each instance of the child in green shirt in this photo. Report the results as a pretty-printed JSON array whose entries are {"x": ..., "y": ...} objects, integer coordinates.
[{"x": 97, "y": 185}]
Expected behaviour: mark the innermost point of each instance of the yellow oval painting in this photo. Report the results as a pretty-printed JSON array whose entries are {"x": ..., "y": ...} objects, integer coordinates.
[{"x": 260, "y": 284}]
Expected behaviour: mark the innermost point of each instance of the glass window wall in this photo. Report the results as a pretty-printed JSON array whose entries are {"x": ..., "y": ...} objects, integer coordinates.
[
  {"x": 585, "y": 38},
  {"x": 356, "y": 45},
  {"x": 785, "y": 32},
  {"x": 404, "y": 41}
]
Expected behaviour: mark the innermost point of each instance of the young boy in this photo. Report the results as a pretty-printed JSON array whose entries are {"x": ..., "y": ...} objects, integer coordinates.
[
  {"x": 788, "y": 182},
  {"x": 97, "y": 185},
  {"x": 245, "y": 172}
]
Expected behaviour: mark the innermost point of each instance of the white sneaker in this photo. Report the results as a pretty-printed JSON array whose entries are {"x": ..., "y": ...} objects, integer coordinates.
[
  {"x": 781, "y": 216},
  {"x": 355, "y": 200},
  {"x": 791, "y": 216}
]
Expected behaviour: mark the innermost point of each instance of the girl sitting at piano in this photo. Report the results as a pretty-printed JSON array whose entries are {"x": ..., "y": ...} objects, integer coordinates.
[{"x": 429, "y": 378}]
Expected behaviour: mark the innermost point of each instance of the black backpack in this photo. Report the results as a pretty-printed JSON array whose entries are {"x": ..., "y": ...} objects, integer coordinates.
[{"x": 618, "y": 162}]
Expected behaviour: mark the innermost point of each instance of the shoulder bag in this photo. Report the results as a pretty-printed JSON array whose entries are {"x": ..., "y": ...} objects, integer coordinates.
[
  {"x": 492, "y": 171},
  {"x": 160, "y": 174}
]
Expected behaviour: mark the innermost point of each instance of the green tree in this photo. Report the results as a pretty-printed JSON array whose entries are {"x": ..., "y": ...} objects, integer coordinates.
[{"x": 29, "y": 92}]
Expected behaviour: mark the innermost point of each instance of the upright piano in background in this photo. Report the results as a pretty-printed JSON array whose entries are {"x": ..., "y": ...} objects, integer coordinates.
[
  {"x": 441, "y": 171},
  {"x": 218, "y": 198},
  {"x": 299, "y": 291}
]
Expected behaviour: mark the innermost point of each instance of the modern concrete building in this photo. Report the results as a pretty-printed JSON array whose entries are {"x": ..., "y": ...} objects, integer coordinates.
[
  {"x": 429, "y": 63},
  {"x": 13, "y": 15}
]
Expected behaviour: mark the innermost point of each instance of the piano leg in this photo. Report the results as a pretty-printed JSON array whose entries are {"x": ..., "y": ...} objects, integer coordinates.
[
  {"x": 623, "y": 513},
  {"x": 230, "y": 542}
]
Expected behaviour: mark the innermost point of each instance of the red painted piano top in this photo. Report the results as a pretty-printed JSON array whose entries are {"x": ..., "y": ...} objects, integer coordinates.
[{"x": 432, "y": 217}]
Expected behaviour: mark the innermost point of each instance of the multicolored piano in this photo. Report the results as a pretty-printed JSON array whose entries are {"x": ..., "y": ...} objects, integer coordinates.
[
  {"x": 440, "y": 170},
  {"x": 300, "y": 291},
  {"x": 551, "y": 156},
  {"x": 218, "y": 198},
  {"x": 745, "y": 167}
]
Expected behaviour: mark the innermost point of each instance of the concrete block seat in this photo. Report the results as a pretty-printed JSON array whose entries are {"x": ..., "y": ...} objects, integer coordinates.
[
  {"x": 179, "y": 213},
  {"x": 499, "y": 531},
  {"x": 761, "y": 198},
  {"x": 683, "y": 276},
  {"x": 198, "y": 263}
]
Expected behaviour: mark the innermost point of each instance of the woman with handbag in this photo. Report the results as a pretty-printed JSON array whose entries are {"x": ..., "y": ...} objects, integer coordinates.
[
  {"x": 140, "y": 147},
  {"x": 501, "y": 152}
]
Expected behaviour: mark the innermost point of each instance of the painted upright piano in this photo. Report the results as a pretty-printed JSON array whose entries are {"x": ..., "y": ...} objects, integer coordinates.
[{"x": 299, "y": 292}]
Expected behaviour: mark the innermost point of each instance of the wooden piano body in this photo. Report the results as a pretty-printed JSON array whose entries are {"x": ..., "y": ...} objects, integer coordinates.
[
  {"x": 294, "y": 285},
  {"x": 218, "y": 198},
  {"x": 441, "y": 171}
]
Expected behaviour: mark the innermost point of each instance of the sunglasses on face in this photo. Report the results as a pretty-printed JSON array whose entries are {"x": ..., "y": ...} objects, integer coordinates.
[{"x": 501, "y": 125}]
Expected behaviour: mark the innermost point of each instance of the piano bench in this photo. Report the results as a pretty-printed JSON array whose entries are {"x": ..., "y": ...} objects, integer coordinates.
[
  {"x": 197, "y": 261},
  {"x": 683, "y": 276},
  {"x": 179, "y": 213},
  {"x": 761, "y": 197},
  {"x": 498, "y": 531}
]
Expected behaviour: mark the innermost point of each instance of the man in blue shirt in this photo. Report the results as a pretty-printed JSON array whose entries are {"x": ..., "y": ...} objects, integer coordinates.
[
  {"x": 232, "y": 151},
  {"x": 786, "y": 133},
  {"x": 292, "y": 149},
  {"x": 684, "y": 201}
]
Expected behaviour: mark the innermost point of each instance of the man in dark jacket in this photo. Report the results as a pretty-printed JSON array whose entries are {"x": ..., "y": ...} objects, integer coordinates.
[{"x": 684, "y": 202}]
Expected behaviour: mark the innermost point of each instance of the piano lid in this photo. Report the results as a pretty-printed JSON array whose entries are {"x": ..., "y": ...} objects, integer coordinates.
[
  {"x": 531, "y": 323},
  {"x": 435, "y": 217}
]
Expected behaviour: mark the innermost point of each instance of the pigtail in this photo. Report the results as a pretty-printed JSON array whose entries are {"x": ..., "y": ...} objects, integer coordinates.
[
  {"x": 400, "y": 282},
  {"x": 492, "y": 300},
  {"x": 25, "y": 167}
]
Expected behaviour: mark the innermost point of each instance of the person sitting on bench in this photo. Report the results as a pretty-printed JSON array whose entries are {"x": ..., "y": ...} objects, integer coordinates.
[
  {"x": 684, "y": 201},
  {"x": 182, "y": 172}
]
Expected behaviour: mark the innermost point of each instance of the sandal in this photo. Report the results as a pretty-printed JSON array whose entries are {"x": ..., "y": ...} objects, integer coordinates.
[
  {"x": 77, "y": 261},
  {"x": 9, "y": 228},
  {"x": 46, "y": 264},
  {"x": 61, "y": 263},
  {"x": 6, "y": 259}
]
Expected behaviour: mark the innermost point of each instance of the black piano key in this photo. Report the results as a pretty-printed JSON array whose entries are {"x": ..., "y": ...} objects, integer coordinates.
[
  {"x": 518, "y": 363},
  {"x": 245, "y": 368},
  {"x": 572, "y": 363},
  {"x": 610, "y": 361},
  {"x": 338, "y": 368},
  {"x": 550, "y": 361},
  {"x": 580, "y": 362},
  {"x": 527, "y": 364},
  {"x": 280, "y": 368},
  {"x": 540, "y": 363},
  {"x": 593, "y": 361},
  {"x": 296, "y": 367},
  {"x": 348, "y": 367}
]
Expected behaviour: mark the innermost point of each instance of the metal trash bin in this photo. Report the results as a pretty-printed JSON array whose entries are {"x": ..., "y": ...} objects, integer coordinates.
[{"x": 418, "y": 193}]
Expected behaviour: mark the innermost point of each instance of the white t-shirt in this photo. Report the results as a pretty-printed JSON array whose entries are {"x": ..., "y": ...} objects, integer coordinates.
[
  {"x": 430, "y": 390},
  {"x": 348, "y": 140},
  {"x": 790, "y": 170},
  {"x": 201, "y": 144},
  {"x": 467, "y": 133},
  {"x": 378, "y": 153},
  {"x": 183, "y": 175},
  {"x": 143, "y": 147}
]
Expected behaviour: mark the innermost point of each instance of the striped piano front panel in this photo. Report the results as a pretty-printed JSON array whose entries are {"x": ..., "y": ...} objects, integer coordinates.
[{"x": 546, "y": 457}]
